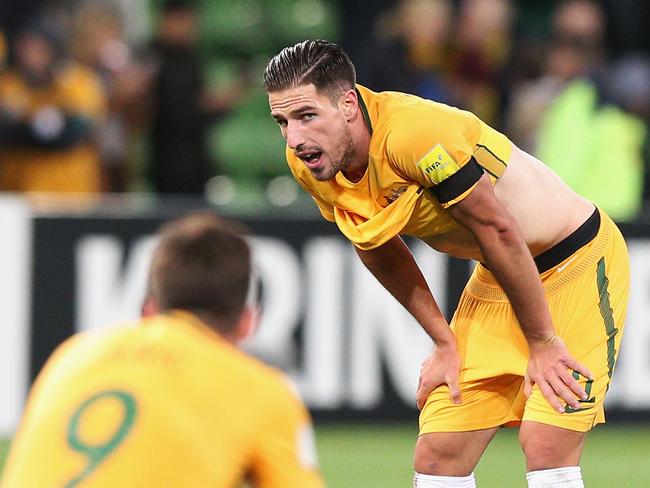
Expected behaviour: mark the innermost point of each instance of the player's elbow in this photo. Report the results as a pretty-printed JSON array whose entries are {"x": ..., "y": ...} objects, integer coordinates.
[
  {"x": 505, "y": 226},
  {"x": 499, "y": 229}
]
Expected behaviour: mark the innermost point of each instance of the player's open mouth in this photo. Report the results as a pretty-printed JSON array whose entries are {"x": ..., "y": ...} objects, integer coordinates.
[{"x": 310, "y": 158}]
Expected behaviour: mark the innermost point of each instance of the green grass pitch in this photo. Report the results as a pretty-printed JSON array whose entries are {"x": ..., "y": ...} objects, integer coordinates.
[{"x": 379, "y": 456}]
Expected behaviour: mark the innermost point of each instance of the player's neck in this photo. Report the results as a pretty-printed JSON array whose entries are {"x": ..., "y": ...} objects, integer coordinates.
[{"x": 359, "y": 163}]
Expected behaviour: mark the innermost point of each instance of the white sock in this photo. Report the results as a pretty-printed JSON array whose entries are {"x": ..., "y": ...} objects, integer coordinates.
[
  {"x": 570, "y": 477},
  {"x": 430, "y": 481}
]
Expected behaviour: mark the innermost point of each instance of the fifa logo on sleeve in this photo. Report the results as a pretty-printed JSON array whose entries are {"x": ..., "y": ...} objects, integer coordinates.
[{"x": 437, "y": 165}]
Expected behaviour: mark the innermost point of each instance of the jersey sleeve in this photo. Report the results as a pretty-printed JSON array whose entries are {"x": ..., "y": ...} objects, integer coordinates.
[
  {"x": 434, "y": 147},
  {"x": 286, "y": 456}
]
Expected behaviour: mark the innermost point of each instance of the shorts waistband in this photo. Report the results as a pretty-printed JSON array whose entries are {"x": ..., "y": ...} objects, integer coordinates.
[
  {"x": 582, "y": 236},
  {"x": 484, "y": 285}
]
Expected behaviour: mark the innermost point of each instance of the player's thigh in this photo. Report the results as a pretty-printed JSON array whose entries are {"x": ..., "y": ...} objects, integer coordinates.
[
  {"x": 485, "y": 403},
  {"x": 548, "y": 446},
  {"x": 589, "y": 314},
  {"x": 451, "y": 453},
  {"x": 453, "y": 437},
  {"x": 493, "y": 355}
]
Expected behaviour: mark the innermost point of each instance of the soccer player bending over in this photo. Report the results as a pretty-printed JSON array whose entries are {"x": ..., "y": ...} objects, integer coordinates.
[
  {"x": 170, "y": 402},
  {"x": 535, "y": 336}
]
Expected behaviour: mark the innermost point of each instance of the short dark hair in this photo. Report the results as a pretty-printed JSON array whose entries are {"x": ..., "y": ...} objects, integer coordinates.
[
  {"x": 202, "y": 265},
  {"x": 322, "y": 63}
]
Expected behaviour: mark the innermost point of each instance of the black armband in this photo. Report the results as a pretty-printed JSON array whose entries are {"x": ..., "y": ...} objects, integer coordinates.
[{"x": 458, "y": 183}]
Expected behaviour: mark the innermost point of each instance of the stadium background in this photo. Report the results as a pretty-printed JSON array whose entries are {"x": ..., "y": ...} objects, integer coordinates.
[{"x": 350, "y": 348}]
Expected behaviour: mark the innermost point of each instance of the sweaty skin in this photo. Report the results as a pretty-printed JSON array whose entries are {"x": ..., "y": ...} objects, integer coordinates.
[{"x": 545, "y": 208}]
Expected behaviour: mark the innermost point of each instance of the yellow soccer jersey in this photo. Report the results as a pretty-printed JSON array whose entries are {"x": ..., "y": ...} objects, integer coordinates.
[
  {"x": 424, "y": 156},
  {"x": 165, "y": 404}
]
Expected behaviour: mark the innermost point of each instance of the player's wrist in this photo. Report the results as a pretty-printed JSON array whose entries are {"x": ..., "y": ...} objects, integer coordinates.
[
  {"x": 439, "y": 331},
  {"x": 445, "y": 341},
  {"x": 541, "y": 340}
]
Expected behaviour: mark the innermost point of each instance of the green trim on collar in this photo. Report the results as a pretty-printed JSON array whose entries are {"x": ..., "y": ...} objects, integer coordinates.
[{"x": 364, "y": 111}]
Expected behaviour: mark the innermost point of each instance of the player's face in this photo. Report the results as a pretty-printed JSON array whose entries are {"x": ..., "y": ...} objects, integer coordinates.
[{"x": 315, "y": 129}]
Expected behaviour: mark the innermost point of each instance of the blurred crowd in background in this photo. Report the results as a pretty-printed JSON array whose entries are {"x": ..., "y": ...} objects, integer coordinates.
[{"x": 165, "y": 96}]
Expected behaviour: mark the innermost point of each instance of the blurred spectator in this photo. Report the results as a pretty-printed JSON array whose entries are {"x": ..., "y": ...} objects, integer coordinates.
[
  {"x": 482, "y": 48},
  {"x": 576, "y": 50},
  {"x": 182, "y": 106},
  {"x": 579, "y": 117},
  {"x": 99, "y": 43},
  {"x": 49, "y": 110},
  {"x": 411, "y": 51},
  {"x": 629, "y": 88},
  {"x": 594, "y": 136},
  {"x": 630, "y": 85}
]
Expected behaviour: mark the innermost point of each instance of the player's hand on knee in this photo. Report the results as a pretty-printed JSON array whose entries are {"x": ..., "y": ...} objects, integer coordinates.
[
  {"x": 549, "y": 367},
  {"x": 442, "y": 366}
]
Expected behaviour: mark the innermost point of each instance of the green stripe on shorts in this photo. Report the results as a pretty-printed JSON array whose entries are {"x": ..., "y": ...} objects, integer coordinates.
[{"x": 606, "y": 312}]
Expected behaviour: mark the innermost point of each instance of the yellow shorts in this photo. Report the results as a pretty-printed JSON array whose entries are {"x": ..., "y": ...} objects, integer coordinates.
[{"x": 587, "y": 292}]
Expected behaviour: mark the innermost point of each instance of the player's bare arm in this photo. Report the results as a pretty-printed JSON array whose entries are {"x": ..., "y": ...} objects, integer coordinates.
[
  {"x": 506, "y": 254},
  {"x": 395, "y": 268}
]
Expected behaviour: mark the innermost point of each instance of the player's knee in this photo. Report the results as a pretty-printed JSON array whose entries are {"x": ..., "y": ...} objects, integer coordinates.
[
  {"x": 434, "y": 457},
  {"x": 539, "y": 452},
  {"x": 544, "y": 449},
  {"x": 544, "y": 453}
]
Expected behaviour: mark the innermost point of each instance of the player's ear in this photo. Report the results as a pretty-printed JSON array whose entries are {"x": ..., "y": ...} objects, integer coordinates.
[
  {"x": 149, "y": 307},
  {"x": 350, "y": 105},
  {"x": 247, "y": 324}
]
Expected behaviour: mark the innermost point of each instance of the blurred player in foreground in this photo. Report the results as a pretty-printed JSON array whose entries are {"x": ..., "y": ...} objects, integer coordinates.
[
  {"x": 170, "y": 402},
  {"x": 553, "y": 269}
]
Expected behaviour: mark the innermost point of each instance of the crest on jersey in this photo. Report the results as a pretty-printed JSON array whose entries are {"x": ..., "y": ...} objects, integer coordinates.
[
  {"x": 437, "y": 165},
  {"x": 395, "y": 193}
]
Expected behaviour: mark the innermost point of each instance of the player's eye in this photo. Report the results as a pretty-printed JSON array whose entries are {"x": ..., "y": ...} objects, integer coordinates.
[{"x": 307, "y": 116}]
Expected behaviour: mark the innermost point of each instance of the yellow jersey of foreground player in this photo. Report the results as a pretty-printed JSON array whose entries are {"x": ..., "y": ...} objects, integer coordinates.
[{"x": 168, "y": 403}]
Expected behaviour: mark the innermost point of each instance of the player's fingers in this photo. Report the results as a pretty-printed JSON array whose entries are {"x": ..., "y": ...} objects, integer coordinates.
[
  {"x": 562, "y": 391},
  {"x": 580, "y": 368},
  {"x": 574, "y": 385},
  {"x": 454, "y": 391},
  {"x": 423, "y": 391},
  {"x": 528, "y": 386},
  {"x": 421, "y": 397},
  {"x": 550, "y": 396}
]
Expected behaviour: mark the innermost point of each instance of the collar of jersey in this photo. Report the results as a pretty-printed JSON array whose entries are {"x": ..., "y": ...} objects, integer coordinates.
[
  {"x": 345, "y": 183},
  {"x": 364, "y": 111},
  {"x": 194, "y": 322}
]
